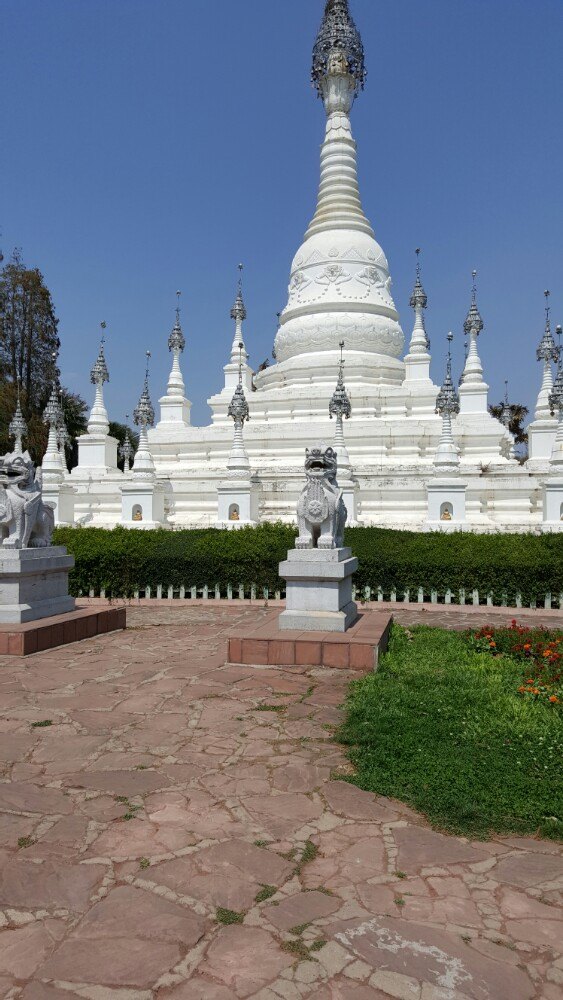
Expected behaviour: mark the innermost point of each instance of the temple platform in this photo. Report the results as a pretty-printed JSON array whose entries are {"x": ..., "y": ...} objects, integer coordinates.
[
  {"x": 59, "y": 630},
  {"x": 357, "y": 649}
]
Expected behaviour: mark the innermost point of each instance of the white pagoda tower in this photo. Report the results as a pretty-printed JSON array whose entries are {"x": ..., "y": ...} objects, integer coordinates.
[{"x": 339, "y": 292}]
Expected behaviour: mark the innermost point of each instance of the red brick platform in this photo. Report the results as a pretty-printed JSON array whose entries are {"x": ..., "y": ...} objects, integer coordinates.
[
  {"x": 83, "y": 623},
  {"x": 356, "y": 649}
]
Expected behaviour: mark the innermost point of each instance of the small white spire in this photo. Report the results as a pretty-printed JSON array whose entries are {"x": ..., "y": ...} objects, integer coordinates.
[
  {"x": 556, "y": 408},
  {"x": 418, "y": 302},
  {"x": 238, "y": 465},
  {"x": 547, "y": 353},
  {"x": 98, "y": 422},
  {"x": 446, "y": 458},
  {"x": 473, "y": 388},
  {"x": 238, "y": 314},
  {"x": 18, "y": 426},
  {"x": 126, "y": 449},
  {"x": 176, "y": 344},
  {"x": 506, "y": 419},
  {"x": 52, "y": 465},
  {"x": 341, "y": 408},
  {"x": 143, "y": 416}
]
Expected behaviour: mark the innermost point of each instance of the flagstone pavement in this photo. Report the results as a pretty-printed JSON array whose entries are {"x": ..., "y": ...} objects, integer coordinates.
[{"x": 171, "y": 792}]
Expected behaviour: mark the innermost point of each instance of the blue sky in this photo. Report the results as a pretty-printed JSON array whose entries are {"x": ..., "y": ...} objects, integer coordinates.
[{"x": 153, "y": 144}]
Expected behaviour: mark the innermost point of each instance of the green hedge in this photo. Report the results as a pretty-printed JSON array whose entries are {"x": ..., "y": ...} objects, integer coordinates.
[{"x": 122, "y": 561}]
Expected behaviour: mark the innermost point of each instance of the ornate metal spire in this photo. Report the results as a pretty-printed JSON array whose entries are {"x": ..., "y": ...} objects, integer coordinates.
[
  {"x": 176, "y": 340},
  {"x": 63, "y": 438},
  {"x": 340, "y": 405},
  {"x": 506, "y": 412},
  {"x": 338, "y": 34},
  {"x": 18, "y": 426},
  {"x": 238, "y": 312},
  {"x": 99, "y": 373},
  {"x": 547, "y": 351},
  {"x": 238, "y": 407},
  {"x": 126, "y": 449},
  {"x": 419, "y": 299},
  {"x": 447, "y": 401},
  {"x": 52, "y": 415},
  {"x": 555, "y": 397},
  {"x": 474, "y": 322},
  {"x": 143, "y": 414}
]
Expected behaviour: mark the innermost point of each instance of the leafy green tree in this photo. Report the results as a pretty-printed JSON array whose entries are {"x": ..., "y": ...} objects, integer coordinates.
[
  {"x": 518, "y": 416},
  {"x": 29, "y": 342},
  {"x": 29, "y": 345}
]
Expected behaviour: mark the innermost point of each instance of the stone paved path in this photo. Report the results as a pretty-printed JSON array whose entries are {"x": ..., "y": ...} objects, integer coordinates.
[{"x": 170, "y": 785}]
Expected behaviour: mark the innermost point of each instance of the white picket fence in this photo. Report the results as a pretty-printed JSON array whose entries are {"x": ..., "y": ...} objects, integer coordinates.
[{"x": 419, "y": 596}]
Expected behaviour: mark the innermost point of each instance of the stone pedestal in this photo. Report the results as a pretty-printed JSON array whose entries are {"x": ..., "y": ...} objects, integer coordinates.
[
  {"x": 446, "y": 503},
  {"x": 60, "y": 496},
  {"x": 553, "y": 504},
  {"x": 142, "y": 504},
  {"x": 350, "y": 491},
  {"x": 319, "y": 590},
  {"x": 237, "y": 504},
  {"x": 34, "y": 583},
  {"x": 174, "y": 412},
  {"x": 97, "y": 451}
]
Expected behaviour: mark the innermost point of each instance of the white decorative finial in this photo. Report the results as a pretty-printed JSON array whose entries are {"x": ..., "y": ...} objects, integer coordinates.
[
  {"x": 238, "y": 314},
  {"x": 447, "y": 405},
  {"x": 98, "y": 422},
  {"x": 18, "y": 426}
]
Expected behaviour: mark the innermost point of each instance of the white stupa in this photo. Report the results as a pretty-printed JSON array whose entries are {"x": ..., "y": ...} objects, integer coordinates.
[{"x": 339, "y": 292}]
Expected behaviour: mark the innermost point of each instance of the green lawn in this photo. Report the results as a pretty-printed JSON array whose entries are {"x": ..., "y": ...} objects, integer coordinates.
[{"x": 442, "y": 727}]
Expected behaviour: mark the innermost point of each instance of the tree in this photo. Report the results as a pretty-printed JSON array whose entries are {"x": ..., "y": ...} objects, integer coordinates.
[
  {"x": 29, "y": 345},
  {"x": 29, "y": 342},
  {"x": 75, "y": 413},
  {"x": 518, "y": 416}
]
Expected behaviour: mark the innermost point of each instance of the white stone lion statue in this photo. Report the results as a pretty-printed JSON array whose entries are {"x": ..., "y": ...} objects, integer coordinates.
[
  {"x": 321, "y": 513},
  {"x": 25, "y": 521}
]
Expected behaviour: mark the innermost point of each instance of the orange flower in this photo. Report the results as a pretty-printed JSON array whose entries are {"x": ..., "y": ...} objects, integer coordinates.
[
  {"x": 527, "y": 645},
  {"x": 547, "y": 652},
  {"x": 492, "y": 644},
  {"x": 535, "y": 691},
  {"x": 521, "y": 688},
  {"x": 554, "y": 699}
]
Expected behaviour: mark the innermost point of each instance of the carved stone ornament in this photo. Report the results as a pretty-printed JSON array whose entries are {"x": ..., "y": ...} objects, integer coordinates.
[
  {"x": 321, "y": 513},
  {"x": 25, "y": 521}
]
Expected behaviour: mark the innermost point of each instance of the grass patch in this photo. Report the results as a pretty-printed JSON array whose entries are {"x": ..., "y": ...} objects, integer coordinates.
[
  {"x": 266, "y": 892},
  {"x": 296, "y": 948},
  {"x": 42, "y": 725},
  {"x": 299, "y": 928},
  {"x": 270, "y": 708},
  {"x": 25, "y": 842},
  {"x": 144, "y": 863},
  {"x": 318, "y": 944},
  {"x": 442, "y": 727},
  {"x": 223, "y": 916},
  {"x": 309, "y": 854}
]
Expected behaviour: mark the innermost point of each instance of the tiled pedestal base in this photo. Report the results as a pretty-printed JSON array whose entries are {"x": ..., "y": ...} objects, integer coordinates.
[
  {"x": 83, "y": 623},
  {"x": 356, "y": 649}
]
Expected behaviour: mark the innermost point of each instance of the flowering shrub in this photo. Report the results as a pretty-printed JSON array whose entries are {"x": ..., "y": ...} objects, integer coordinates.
[{"x": 538, "y": 650}]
